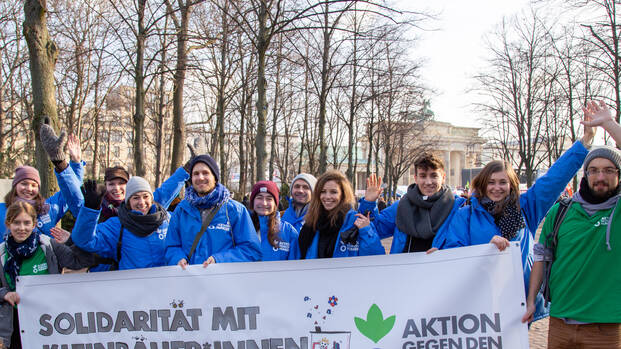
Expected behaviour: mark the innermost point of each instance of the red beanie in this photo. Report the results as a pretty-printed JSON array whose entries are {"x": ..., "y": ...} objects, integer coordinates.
[
  {"x": 264, "y": 187},
  {"x": 26, "y": 172}
]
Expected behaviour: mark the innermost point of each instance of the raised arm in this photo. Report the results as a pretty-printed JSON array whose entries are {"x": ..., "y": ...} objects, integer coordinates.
[{"x": 598, "y": 114}]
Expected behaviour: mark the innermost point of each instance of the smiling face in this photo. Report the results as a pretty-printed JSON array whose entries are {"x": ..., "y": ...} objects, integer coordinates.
[
  {"x": 301, "y": 192},
  {"x": 330, "y": 195},
  {"x": 264, "y": 204},
  {"x": 141, "y": 202},
  {"x": 203, "y": 179},
  {"x": 21, "y": 227},
  {"x": 429, "y": 181},
  {"x": 116, "y": 188},
  {"x": 27, "y": 189},
  {"x": 601, "y": 183},
  {"x": 498, "y": 186}
]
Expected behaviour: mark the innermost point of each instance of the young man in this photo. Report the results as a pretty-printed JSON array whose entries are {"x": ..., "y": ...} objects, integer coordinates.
[
  {"x": 418, "y": 221},
  {"x": 302, "y": 188},
  {"x": 585, "y": 273},
  {"x": 208, "y": 226}
]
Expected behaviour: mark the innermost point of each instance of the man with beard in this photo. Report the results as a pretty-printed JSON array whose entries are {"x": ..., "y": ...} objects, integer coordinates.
[
  {"x": 209, "y": 227},
  {"x": 419, "y": 221},
  {"x": 580, "y": 253},
  {"x": 302, "y": 188}
]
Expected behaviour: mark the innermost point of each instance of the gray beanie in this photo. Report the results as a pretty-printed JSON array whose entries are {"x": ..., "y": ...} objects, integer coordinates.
[
  {"x": 606, "y": 152},
  {"x": 135, "y": 185},
  {"x": 307, "y": 177}
]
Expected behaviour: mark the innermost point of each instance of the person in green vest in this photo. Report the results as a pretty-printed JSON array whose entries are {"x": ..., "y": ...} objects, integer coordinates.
[{"x": 27, "y": 251}]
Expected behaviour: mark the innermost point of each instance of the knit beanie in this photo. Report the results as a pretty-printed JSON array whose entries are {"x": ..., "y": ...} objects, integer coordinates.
[
  {"x": 307, "y": 177},
  {"x": 26, "y": 172},
  {"x": 264, "y": 187},
  {"x": 116, "y": 172},
  {"x": 210, "y": 162},
  {"x": 606, "y": 152},
  {"x": 135, "y": 185}
]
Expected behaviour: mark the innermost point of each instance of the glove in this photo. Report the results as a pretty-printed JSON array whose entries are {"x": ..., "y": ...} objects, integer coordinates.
[
  {"x": 186, "y": 166},
  {"x": 93, "y": 194},
  {"x": 350, "y": 236},
  {"x": 54, "y": 146}
]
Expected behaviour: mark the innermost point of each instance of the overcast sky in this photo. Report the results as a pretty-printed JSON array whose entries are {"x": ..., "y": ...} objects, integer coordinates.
[{"x": 456, "y": 50}]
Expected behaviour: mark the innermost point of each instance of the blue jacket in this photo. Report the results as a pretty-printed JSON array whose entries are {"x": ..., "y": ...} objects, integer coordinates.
[
  {"x": 230, "y": 237},
  {"x": 386, "y": 226},
  {"x": 473, "y": 225},
  {"x": 288, "y": 247},
  {"x": 368, "y": 243},
  {"x": 68, "y": 198},
  {"x": 171, "y": 187},
  {"x": 290, "y": 217},
  {"x": 102, "y": 238},
  {"x": 78, "y": 169}
]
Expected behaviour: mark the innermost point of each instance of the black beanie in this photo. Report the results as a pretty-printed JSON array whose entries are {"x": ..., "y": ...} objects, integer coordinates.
[{"x": 210, "y": 162}]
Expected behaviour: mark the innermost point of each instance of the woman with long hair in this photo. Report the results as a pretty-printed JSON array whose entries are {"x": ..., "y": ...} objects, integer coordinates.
[
  {"x": 28, "y": 252},
  {"x": 332, "y": 228},
  {"x": 497, "y": 213},
  {"x": 26, "y": 186},
  {"x": 279, "y": 239}
]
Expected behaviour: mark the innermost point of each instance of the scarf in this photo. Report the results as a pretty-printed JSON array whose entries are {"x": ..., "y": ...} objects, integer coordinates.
[
  {"x": 17, "y": 253},
  {"x": 142, "y": 225},
  {"x": 217, "y": 195},
  {"x": 510, "y": 221},
  {"x": 109, "y": 207},
  {"x": 421, "y": 216},
  {"x": 328, "y": 234},
  {"x": 591, "y": 204},
  {"x": 45, "y": 207}
]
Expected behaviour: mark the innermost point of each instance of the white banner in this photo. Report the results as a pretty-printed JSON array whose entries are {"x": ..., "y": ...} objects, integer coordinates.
[{"x": 470, "y": 298}]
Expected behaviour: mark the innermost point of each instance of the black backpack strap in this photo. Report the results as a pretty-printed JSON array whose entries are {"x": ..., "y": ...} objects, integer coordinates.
[
  {"x": 550, "y": 245},
  {"x": 204, "y": 226}
]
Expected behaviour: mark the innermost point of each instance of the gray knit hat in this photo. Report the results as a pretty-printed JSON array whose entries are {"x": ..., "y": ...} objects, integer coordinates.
[
  {"x": 606, "y": 152},
  {"x": 135, "y": 185},
  {"x": 307, "y": 177}
]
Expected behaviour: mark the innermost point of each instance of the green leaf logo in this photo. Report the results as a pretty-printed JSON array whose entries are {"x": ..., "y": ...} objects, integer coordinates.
[{"x": 375, "y": 327}]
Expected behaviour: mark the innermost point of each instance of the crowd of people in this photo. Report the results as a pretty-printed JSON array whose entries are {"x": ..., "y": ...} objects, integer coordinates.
[{"x": 125, "y": 224}]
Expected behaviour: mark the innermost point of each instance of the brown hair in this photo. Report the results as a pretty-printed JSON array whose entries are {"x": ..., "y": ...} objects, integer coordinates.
[
  {"x": 428, "y": 161},
  {"x": 11, "y": 197},
  {"x": 316, "y": 209},
  {"x": 272, "y": 226},
  {"x": 479, "y": 183},
  {"x": 16, "y": 208}
]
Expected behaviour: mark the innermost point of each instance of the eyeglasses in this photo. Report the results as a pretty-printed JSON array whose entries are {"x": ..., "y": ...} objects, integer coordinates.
[{"x": 608, "y": 171}]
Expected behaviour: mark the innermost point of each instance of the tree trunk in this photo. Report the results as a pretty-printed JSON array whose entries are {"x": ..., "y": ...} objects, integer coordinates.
[
  {"x": 178, "y": 125},
  {"x": 262, "y": 45},
  {"x": 275, "y": 113},
  {"x": 352, "y": 113},
  {"x": 323, "y": 95},
  {"x": 43, "y": 54},
  {"x": 137, "y": 142}
]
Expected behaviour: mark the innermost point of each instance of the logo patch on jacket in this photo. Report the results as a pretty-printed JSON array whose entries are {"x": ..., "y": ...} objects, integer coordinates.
[
  {"x": 282, "y": 246},
  {"x": 39, "y": 268}
]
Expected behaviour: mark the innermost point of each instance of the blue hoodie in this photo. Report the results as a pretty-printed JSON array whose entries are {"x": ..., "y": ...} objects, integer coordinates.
[
  {"x": 288, "y": 247},
  {"x": 230, "y": 237},
  {"x": 368, "y": 241}
]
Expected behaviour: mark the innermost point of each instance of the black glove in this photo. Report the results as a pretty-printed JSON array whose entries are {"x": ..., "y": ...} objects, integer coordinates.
[
  {"x": 350, "y": 236},
  {"x": 186, "y": 167},
  {"x": 93, "y": 194}
]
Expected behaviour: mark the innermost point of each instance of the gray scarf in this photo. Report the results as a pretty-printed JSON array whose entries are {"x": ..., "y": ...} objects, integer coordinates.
[
  {"x": 591, "y": 209},
  {"x": 421, "y": 216}
]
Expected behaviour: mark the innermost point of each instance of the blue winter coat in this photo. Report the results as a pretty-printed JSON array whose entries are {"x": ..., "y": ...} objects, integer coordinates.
[
  {"x": 290, "y": 217},
  {"x": 102, "y": 238},
  {"x": 68, "y": 198},
  {"x": 78, "y": 169},
  {"x": 171, "y": 187},
  {"x": 368, "y": 241},
  {"x": 230, "y": 237},
  {"x": 288, "y": 247},
  {"x": 386, "y": 226},
  {"x": 473, "y": 225}
]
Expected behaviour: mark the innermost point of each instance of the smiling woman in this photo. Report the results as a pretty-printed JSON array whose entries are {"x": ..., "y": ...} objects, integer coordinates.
[{"x": 332, "y": 227}]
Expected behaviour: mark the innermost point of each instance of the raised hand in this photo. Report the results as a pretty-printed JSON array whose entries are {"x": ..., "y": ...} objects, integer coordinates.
[
  {"x": 54, "y": 146},
  {"x": 374, "y": 188},
  {"x": 93, "y": 194},
  {"x": 73, "y": 147},
  {"x": 60, "y": 234},
  {"x": 186, "y": 166}
]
